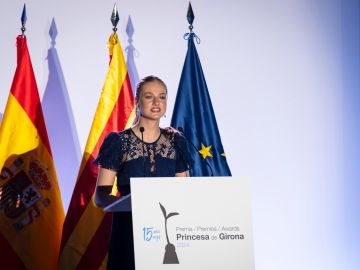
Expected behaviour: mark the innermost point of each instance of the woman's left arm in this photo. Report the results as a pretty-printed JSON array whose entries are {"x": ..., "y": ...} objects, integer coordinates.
[{"x": 184, "y": 161}]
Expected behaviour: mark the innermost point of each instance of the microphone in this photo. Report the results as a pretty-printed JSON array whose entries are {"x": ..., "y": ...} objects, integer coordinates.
[
  {"x": 181, "y": 130},
  {"x": 142, "y": 129}
]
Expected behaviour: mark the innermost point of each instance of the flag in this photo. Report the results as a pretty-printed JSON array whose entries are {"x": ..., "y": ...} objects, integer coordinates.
[
  {"x": 194, "y": 115},
  {"x": 87, "y": 228},
  {"x": 31, "y": 212},
  {"x": 59, "y": 116}
]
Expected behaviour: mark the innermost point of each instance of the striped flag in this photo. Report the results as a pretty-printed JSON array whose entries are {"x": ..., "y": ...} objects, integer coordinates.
[
  {"x": 87, "y": 228},
  {"x": 31, "y": 212}
]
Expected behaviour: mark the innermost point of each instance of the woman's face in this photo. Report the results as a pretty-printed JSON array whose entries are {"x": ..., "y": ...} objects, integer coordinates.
[{"x": 152, "y": 100}]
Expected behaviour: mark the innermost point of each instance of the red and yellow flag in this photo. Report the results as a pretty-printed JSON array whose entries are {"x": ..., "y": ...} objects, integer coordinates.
[
  {"x": 87, "y": 228},
  {"x": 31, "y": 212}
]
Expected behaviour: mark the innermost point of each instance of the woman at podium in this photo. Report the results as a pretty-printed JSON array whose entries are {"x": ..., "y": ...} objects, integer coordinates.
[{"x": 144, "y": 150}]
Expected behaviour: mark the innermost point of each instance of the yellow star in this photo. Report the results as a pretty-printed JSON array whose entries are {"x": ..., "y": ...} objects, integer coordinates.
[
  {"x": 223, "y": 154},
  {"x": 205, "y": 151}
]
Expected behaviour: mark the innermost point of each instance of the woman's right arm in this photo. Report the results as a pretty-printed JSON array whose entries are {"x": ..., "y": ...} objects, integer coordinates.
[{"x": 105, "y": 182}]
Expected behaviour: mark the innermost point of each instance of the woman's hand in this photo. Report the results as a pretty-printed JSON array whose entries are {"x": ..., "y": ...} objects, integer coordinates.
[
  {"x": 182, "y": 174},
  {"x": 105, "y": 182}
]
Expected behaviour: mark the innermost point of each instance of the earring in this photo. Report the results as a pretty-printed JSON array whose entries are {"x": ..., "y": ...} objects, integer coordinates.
[{"x": 164, "y": 115}]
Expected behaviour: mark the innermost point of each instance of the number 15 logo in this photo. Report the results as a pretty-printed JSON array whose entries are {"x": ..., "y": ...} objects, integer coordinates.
[{"x": 148, "y": 233}]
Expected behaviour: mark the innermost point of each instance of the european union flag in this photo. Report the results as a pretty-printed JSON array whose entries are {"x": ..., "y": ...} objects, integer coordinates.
[{"x": 194, "y": 115}]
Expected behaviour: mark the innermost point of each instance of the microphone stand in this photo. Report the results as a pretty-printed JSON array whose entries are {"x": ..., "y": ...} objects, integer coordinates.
[{"x": 142, "y": 129}]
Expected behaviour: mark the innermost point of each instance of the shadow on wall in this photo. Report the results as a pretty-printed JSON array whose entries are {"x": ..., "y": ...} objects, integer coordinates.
[
  {"x": 60, "y": 123},
  {"x": 130, "y": 61}
]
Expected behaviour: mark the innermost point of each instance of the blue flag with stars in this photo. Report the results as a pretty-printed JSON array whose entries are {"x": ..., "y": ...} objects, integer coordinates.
[{"x": 194, "y": 116}]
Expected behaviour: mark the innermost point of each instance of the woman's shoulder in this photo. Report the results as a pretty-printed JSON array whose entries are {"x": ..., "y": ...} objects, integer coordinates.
[
  {"x": 117, "y": 136},
  {"x": 111, "y": 150},
  {"x": 173, "y": 134},
  {"x": 184, "y": 158},
  {"x": 170, "y": 132}
]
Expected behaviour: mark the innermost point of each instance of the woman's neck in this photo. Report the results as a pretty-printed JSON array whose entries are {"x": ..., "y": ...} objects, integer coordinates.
[{"x": 151, "y": 130}]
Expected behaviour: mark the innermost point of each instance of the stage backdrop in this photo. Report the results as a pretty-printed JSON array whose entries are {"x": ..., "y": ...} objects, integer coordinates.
[{"x": 283, "y": 79}]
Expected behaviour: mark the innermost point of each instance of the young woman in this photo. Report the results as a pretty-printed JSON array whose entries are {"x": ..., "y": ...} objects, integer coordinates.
[{"x": 144, "y": 150}]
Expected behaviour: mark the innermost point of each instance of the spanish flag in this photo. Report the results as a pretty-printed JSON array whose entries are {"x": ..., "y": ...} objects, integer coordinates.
[
  {"x": 87, "y": 228},
  {"x": 31, "y": 212}
]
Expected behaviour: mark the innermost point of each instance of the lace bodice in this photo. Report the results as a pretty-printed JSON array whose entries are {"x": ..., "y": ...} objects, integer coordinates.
[{"x": 126, "y": 154}]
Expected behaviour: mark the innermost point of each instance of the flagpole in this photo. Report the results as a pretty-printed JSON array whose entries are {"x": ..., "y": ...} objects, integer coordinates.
[
  {"x": 23, "y": 21},
  {"x": 115, "y": 18},
  {"x": 190, "y": 17}
]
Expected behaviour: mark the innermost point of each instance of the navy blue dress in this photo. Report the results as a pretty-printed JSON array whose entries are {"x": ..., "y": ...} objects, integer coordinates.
[{"x": 125, "y": 153}]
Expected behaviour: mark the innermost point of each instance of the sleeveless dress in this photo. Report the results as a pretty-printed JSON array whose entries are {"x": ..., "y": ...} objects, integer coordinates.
[{"x": 126, "y": 154}]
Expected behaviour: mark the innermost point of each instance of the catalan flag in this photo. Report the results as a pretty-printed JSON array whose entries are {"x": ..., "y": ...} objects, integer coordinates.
[
  {"x": 87, "y": 228},
  {"x": 31, "y": 212}
]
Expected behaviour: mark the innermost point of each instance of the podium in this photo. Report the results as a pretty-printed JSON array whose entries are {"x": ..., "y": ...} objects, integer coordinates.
[
  {"x": 121, "y": 205},
  {"x": 190, "y": 223}
]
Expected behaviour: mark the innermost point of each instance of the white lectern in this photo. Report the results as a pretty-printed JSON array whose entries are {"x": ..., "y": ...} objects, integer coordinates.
[{"x": 190, "y": 223}]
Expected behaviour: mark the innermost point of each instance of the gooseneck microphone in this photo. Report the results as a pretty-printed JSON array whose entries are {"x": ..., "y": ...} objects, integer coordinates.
[
  {"x": 181, "y": 130},
  {"x": 142, "y": 129}
]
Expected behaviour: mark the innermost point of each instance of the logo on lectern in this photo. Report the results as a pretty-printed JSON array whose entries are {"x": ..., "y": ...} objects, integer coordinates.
[{"x": 170, "y": 256}]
